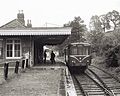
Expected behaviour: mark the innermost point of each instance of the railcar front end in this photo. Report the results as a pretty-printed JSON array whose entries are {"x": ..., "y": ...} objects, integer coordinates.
[{"x": 78, "y": 57}]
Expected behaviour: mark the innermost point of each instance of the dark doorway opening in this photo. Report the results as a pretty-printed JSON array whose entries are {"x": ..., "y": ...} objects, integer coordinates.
[{"x": 38, "y": 53}]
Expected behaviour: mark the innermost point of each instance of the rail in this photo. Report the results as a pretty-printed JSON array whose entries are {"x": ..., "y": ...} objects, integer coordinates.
[
  {"x": 81, "y": 89},
  {"x": 103, "y": 85},
  {"x": 108, "y": 79},
  {"x": 91, "y": 80}
]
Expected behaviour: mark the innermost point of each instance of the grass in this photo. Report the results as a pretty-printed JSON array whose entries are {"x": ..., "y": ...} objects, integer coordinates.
[{"x": 100, "y": 62}]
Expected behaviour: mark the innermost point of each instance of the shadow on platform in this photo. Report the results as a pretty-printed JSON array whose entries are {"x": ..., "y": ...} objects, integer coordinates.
[{"x": 48, "y": 63}]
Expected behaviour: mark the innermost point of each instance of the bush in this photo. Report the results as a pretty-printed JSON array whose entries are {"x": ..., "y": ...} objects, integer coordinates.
[{"x": 113, "y": 57}]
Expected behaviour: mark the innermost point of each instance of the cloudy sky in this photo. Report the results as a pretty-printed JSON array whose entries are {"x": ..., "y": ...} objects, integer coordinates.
[{"x": 55, "y": 12}]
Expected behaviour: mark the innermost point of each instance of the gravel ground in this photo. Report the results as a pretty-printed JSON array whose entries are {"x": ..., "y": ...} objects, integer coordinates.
[
  {"x": 11, "y": 74},
  {"x": 1, "y": 75},
  {"x": 33, "y": 83}
]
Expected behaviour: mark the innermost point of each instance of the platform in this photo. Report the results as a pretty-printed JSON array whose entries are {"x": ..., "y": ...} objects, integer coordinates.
[
  {"x": 33, "y": 83},
  {"x": 41, "y": 80}
]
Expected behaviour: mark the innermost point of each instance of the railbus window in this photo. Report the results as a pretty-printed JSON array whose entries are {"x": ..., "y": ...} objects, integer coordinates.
[
  {"x": 73, "y": 50},
  {"x": 83, "y": 50}
]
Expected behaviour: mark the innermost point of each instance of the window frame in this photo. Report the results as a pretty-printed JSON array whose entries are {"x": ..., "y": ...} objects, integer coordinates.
[{"x": 13, "y": 49}]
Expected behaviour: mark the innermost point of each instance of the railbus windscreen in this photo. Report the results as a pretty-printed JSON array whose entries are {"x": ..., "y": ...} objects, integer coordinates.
[{"x": 79, "y": 50}]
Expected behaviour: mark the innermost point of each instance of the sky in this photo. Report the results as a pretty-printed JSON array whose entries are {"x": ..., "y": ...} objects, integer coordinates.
[{"x": 55, "y": 12}]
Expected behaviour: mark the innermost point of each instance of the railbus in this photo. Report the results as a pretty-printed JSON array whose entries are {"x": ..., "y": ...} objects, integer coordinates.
[{"x": 77, "y": 56}]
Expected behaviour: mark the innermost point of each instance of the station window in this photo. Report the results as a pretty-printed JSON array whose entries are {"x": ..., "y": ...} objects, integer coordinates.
[{"x": 13, "y": 48}]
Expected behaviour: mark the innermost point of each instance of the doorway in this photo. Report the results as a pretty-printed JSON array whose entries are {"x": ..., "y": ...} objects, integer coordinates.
[{"x": 38, "y": 53}]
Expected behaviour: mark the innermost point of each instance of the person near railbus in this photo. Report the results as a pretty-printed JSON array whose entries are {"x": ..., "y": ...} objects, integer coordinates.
[
  {"x": 52, "y": 57},
  {"x": 45, "y": 55}
]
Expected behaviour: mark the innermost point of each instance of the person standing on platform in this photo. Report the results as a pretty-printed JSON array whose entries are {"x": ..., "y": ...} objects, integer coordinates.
[
  {"x": 45, "y": 55},
  {"x": 52, "y": 57}
]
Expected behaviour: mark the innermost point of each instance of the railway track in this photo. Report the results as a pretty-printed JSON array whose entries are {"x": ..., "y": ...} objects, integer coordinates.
[
  {"x": 88, "y": 85},
  {"x": 96, "y": 82},
  {"x": 108, "y": 80}
]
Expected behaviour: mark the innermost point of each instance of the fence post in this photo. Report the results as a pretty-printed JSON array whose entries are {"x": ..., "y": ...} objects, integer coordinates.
[
  {"x": 27, "y": 63},
  {"x": 6, "y": 70},
  {"x": 23, "y": 64},
  {"x": 17, "y": 67}
]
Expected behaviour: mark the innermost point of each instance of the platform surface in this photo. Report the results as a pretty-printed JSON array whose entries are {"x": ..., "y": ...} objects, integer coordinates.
[{"x": 33, "y": 82}]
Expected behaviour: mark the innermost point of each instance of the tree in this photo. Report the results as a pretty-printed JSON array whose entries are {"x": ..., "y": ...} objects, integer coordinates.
[
  {"x": 105, "y": 23},
  {"x": 100, "y": 36},
  {"x": 116, "y": 35},
  {"x": 78, "y": 29},
  {"x": 96, "y": 34},
  {"x": 114, "y": 17},
  {"x": 77, "y": 32},
  {"x": 95, "y": 38},
  {"x": 95, "y": 24},
  {"x": 107, "y": 43}
]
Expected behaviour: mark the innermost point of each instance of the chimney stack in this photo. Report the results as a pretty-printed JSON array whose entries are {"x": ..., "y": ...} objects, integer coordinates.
[
  {"x": 29, "y": 25},
  {"x": 20, "y": 17}
]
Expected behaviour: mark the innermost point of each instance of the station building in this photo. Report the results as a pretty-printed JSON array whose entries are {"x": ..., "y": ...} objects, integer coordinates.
[{"x": 18, "y": 40}]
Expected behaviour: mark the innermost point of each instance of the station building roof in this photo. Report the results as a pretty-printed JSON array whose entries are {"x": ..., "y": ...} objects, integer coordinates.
[
  {"x": 46, "y": 35},
  {"x": 35, "y": 31}
]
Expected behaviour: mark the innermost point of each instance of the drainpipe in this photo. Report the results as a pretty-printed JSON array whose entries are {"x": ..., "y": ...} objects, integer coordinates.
[{"x": 30, "y": 52}]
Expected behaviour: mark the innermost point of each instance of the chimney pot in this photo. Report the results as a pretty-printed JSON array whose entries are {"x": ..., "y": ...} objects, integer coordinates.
[
  {"x": 21, "y": 11},
  {"x": 28, "y": 21}
]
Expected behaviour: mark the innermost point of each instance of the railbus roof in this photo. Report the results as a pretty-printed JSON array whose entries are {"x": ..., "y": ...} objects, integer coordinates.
[{"x": 81, "y": 43}]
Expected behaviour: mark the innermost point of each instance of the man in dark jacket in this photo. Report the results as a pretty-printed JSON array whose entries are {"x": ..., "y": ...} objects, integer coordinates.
[{"x": 52, "y": 57}]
